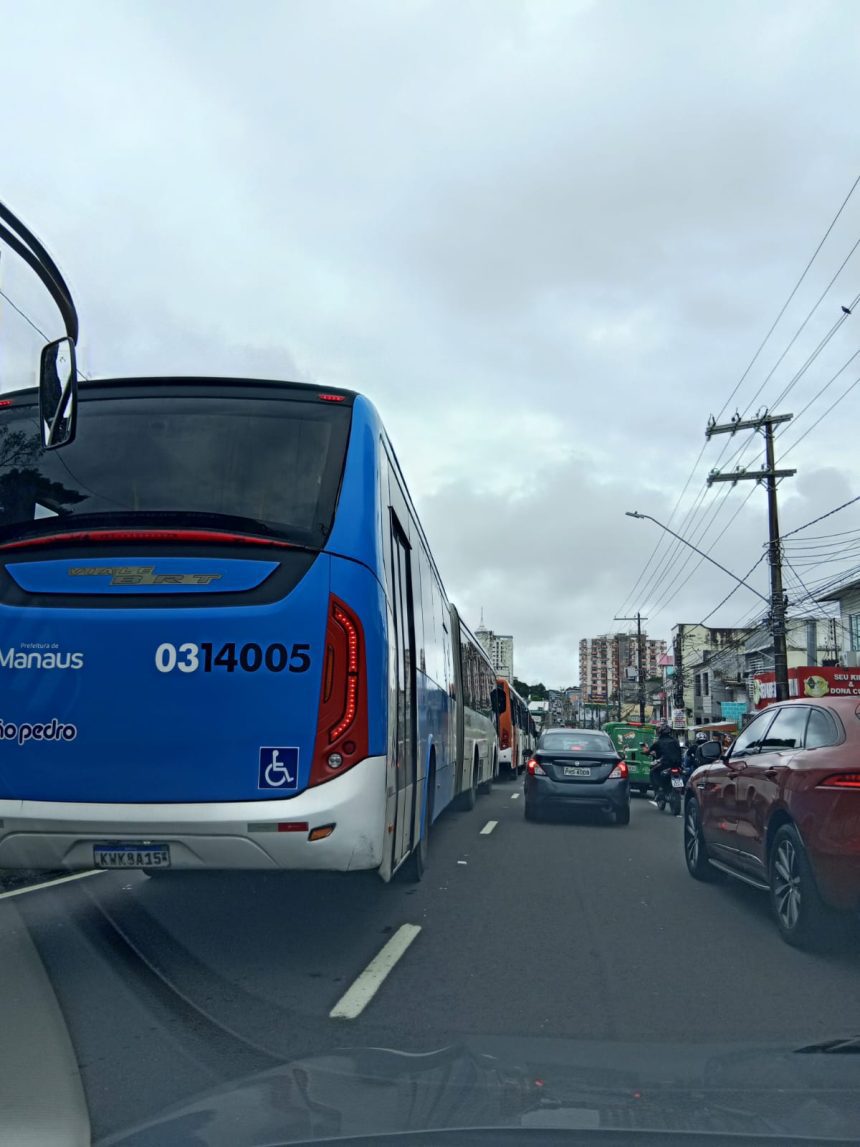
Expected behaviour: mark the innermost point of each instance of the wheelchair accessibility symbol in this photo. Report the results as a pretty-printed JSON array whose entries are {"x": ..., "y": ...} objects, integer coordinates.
[{"x": 279, "y": 768}]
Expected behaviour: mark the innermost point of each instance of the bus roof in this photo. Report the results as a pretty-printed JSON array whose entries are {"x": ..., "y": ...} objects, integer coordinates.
[{"x": 89, "y": 386}]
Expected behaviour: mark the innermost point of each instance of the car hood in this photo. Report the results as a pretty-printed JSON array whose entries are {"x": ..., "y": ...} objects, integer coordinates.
[{"x": 770, "y": 1091}]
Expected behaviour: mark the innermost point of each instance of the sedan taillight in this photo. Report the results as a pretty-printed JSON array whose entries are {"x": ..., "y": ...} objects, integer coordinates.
[
  {"x": 619, "y": 773},
  {"x": 534, "y": 768},
  {"x": 841, "y": 781}
]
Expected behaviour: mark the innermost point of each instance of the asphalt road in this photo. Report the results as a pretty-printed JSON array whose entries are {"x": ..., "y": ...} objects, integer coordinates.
[{"x": 572, "y": 929}]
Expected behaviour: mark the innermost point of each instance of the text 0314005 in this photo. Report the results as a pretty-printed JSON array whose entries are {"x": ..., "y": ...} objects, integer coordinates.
[{"x": 189, "y": 657}]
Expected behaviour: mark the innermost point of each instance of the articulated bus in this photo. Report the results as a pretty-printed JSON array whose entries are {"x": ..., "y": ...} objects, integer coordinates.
[
  {"x": 516, "y": 728},
  {"x": 224, "y": 642}
]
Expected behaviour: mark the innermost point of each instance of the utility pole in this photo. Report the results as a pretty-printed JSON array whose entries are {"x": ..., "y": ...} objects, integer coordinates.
[
  {"x": 769, "y": 475},
  {"x": 639, "y": 661}
]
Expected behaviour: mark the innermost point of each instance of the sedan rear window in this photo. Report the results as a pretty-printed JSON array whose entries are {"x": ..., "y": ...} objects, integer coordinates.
[{"x": 576, "y": 742}]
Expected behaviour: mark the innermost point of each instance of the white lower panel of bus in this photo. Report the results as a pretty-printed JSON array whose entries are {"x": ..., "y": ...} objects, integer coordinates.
[{"x": 241, "y": 834}]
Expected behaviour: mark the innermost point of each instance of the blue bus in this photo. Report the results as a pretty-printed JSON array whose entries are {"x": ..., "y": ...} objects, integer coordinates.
[{"x": 224, "y": 642}]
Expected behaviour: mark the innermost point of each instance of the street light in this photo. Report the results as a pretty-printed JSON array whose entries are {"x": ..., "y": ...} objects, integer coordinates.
[{"x": 707, "y": 557}]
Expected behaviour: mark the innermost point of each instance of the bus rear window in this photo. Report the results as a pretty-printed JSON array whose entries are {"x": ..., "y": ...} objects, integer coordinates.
[{"x": 270, "y": 464}]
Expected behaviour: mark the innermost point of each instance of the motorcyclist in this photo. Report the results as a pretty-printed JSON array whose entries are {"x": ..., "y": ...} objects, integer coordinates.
[
  {"x": 692, "y": 757},
  {"x": 667, "y": 754}
]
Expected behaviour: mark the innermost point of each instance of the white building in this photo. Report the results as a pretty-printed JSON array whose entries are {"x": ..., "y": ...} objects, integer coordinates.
[
  {"x": 500, "y": 649},
  {"x": 539, "y": 711},
  {"x": 846, "y": 628}
]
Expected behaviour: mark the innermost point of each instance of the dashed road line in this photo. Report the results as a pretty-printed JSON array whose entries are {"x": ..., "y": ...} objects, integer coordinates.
[
  {"x": 488, "y": 828},
  {"x": 356, "y": 998},
  {"x": 515, "y": 796},
  {"x": 51, "y": 883}
]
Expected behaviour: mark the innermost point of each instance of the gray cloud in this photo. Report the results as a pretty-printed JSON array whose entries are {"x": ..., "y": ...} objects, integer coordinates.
[{"x": 545, "y": 238}]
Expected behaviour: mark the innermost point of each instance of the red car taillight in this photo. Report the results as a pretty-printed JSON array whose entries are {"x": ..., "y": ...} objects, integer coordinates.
[
  {"x": 342, "y": 724},
  {"x": 534, "y": 768},
  {"x": 619, "y": 773},
  {"x": 841, "y": 781}
]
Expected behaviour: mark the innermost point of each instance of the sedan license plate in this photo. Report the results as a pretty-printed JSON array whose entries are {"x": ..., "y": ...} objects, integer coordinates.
[
  {"x": 131, "y": 855},
  {"x": 573, "y": 771},
  {"x": 677, "y": 783}
]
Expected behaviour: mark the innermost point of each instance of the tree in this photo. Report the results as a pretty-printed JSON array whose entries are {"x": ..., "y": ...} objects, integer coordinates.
[{"x": 530, "y": 692}]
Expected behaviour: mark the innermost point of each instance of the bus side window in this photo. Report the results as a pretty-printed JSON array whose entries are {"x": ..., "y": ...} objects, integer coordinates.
[
  {"x": 432, "y": 635},
  {"x": 385, "y": 517},
  {"x": 419, "y": 574},
  {"x": 469, "y": 676}
]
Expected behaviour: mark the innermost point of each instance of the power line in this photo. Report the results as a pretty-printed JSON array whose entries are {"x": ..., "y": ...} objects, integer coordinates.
[
  {"x": 745, "y": 373},
  {"x": 35, "y": 327},
  {"x": 794, "y": 291},
  {"x": 735, "y": 589},
  {"x": 655, "y": 578},
  {"x": 24, "y": 316},
  {"x": 821, "y": 517},
  {"x": 660, "y": 573},
  {"x": 822, "y": 344},
  {"x": 724, "y": 530},
  {"x": 821, "y": 418},
  {"x": 788, "y": 449}
]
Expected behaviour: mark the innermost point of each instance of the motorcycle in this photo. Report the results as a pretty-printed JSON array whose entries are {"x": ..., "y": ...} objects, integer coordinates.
[{"x": 669, "y": 793}]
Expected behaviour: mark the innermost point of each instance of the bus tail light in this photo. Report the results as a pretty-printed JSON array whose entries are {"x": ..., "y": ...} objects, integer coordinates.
[
  {"x": 145, "y": 537},
  {"x": 341, "y": 739},
  {"x": 506, "y": 739}
]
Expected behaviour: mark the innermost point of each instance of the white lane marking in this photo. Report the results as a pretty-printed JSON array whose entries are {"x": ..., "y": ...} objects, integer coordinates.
[
  {"x": 356, "y": 998},
  {"x": 654, "y": 803},
  {"x": 50, "y": 883},
  {"x": 488, "y": 828},
  {"x": 515, "y": 796},
  {"x": 462, "y": 862}
]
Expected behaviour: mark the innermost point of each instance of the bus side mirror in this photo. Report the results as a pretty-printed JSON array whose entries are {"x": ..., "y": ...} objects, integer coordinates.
[{"x": 58, "y": 393}]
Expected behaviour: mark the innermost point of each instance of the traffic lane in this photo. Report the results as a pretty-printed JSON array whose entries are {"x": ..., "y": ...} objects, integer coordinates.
[
  {"x": 295, "y": 939},
  {"x": 139, "y": 1046},
  {"x": 572, "y": 929},
  {"x": 173, "y": 985},
  {"x": 578, "y": 929}
]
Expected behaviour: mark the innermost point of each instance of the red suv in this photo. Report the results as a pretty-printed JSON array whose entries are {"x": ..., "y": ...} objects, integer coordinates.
[{"x": 781, "y": 811}]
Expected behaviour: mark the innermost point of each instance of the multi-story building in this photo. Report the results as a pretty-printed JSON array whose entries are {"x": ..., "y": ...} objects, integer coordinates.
[
  {"x": 844, "y": 641},
  {"x": 608, "y": 664},
  {"x": 723, "y": 669},
  {"x": 500, "y": 650},
  {"x": 692, "y": 645}
]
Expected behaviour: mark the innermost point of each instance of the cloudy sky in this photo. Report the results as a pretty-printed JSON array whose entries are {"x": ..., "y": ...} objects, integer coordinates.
[{"x": 545, "y": 237}]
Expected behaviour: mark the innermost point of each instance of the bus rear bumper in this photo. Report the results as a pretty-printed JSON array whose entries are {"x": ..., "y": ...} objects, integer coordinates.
[{"x": 225, "y": 835}]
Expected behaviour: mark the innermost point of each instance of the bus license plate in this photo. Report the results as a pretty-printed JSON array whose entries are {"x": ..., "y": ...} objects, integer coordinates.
[
  {"x": 571, "y": 771},
  {"x": 677, "y": 783},
  {"x": 131, "y": 855}
]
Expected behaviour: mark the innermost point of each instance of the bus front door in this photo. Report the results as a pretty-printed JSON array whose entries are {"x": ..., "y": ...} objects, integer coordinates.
[{"x": 406, "y": 825}]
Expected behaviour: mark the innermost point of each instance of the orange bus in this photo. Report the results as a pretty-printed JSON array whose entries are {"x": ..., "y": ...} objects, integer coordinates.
[{"x": 517, "y": 733}]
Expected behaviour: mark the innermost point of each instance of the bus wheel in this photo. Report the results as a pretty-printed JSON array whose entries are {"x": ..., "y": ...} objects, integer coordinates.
[
  {"x": 469, "y": 798},
  {"x": 415, "y": 864},
  {"x": 487, "y": 786}
]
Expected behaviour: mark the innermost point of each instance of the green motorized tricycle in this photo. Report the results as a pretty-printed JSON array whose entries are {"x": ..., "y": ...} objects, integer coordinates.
[{"x": 633, "y": 739}]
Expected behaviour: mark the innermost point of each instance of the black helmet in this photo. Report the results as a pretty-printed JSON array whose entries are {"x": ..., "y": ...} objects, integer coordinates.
[
  {"x": 664, "y": 730},
  {"x": 700, "y": 737}
]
